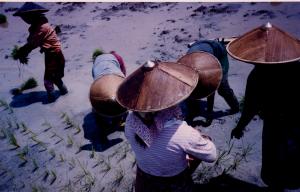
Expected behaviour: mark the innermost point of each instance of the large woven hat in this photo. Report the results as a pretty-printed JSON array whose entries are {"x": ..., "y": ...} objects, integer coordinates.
[
  {"x": 157, "y": 86},
  {"x": 30, "y": 7},
  {"x": 209, "y": 70},
  {"x": 103, "y": 95},
  {"x": 266, "y": 44}
]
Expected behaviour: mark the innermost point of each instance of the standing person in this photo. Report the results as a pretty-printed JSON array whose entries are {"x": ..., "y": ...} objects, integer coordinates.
[
  {"x": 167, "y": 150},
  {"x": 270, "y": 94},
  {"x": 42, "y": 35},
  {"x": 108, "y": 72},
  {"x": 217, "y": 49}
]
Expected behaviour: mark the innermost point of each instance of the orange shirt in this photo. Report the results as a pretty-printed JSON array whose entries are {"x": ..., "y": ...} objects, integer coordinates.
[{"x": 44, "y": 36}]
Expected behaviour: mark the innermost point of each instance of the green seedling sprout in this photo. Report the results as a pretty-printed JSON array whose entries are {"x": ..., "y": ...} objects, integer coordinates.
[
  {"x": 14, "y": 53},
  {"x": 23, "y": 156},
  {"x": 61, "y": 158},
  {"x": 53, "y": 174},
  {"x": 118, "y": 177},
  {"x": 37, "y": 141},
  {"x": 13, "y": 140},
  {"x": 78, "y": 147},
  {"x": 46, "y": 174},
  {"x": 35, "y": 165},
  {"x": 47, "y": 125},
  {"x": 28, "y": 84},
  {"x": 6, "y": 106},
  {"x": 78, "y": 129},
  {"x": 52, "y": 153},
  {"x": 2, "y": 134},
  {"x": 69, "y": 141},
  {"x": 92, "y": 155},
  {"x": 96, "y": 53},
  {"x": 72, "y": 164},
  {"x": 100, "y": 160},
  {"x": 89, "y": 181}
]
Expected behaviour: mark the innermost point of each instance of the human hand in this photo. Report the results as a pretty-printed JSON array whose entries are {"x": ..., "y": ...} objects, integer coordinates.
[
  {"x": 23, "y": 60},
  {"x": 237, "y": 133}
]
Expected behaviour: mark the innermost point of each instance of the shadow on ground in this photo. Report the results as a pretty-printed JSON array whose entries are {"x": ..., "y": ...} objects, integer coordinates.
[
  {"x": 25, "y": 99},
  {"x": 97, "y": 133},
  {"x": 227, "y": 183}
]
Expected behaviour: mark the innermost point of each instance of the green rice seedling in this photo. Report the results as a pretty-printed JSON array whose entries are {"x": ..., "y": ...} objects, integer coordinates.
[
  {"x": 37, "y": 141},
  {"x": 67, "y": 188},
  {"x": 34, "y": 189},
  {"x": 96, "y": 53},
  {"x": 89, "y": 179},
  {"x": 29, "y": 84},
  {"x": 72, "y": 164},
  {"x": 46, "y": 175},
  {"x": 2, "y": 134},
  {"x": 9, "y": 123},
  {"x": 122, "y": 154},
  {"x": 112, "y": 154},
  {"x": 52, "y": 153},
  {"x": 54, "y": 177},
  {"x": 69, "y": 141},
  {"x": 3, "y": 18},
  {"x": 118, "y": 177},
  {"x": 78, "y": 129},
  {"x": 6, "y": 106},
  {"x": 35, "y": 166},
  {"x": 105, "y": 168},
  {"x": 92, "y": 155},
  {"x": 67, "y": 120},
  {"x": 24, "y": 128},
  {"x": 79, "y": 149},
  {"x": 13, "y": 140},
  {"x": 14, "y": 53},
  {"x": 100, "y": 160},
  {"x": 56, "y": 135},
  {"x": 33, "y": 134},
  {"x": 23, "y": 156},
  {"x": 47, "y": 125},
  {"x": 61, "y": 158}
]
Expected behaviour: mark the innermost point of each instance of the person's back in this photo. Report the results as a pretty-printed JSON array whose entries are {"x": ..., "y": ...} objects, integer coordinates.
[
  {"x": 43, "y": 35},
  {"x": 218, "y": 50},
  {"x": 166, "y": 156},
  {"x": 105, "y": 64}
]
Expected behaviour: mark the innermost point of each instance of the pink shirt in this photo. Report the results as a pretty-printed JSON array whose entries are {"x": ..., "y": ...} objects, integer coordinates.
[{"x": 166, "y": 156}]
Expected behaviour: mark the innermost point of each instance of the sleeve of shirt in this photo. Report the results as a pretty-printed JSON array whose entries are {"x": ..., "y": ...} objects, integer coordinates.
[{"x": 201, "y": 148}]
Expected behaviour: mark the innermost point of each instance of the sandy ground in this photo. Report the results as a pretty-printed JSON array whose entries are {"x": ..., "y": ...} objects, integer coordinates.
[{"x": 54, "y": 156}]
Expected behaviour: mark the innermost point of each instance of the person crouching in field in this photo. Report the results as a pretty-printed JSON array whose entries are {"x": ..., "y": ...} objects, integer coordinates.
[
  {"x": 108, "y": 72},
  {"x": 42, "y": 35}
]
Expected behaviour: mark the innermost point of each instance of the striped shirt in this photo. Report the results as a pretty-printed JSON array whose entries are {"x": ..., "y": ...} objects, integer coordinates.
[{"x": 166, "y": 156}]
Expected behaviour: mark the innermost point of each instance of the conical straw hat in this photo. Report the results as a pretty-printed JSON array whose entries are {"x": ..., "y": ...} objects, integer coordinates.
[
  {"x": 209, "y": 70},
  {"x": 157, "y": 86},
  {"x": 265, "y": 45},
  {"x": 103, "y": 95},
  {"x": 30, "y": 7}
]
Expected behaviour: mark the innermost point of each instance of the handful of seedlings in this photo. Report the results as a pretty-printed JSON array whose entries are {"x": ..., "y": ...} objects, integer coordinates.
[{"x": 28, "y": 84}]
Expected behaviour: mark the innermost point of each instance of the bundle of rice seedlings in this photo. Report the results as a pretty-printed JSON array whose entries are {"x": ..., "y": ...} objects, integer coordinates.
[
  {"x": 3, "y": 19},
  {"x": 28, "y": 84},
  {"x": 96, "y": 53},
  {"x": 14, "y": 52}
]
